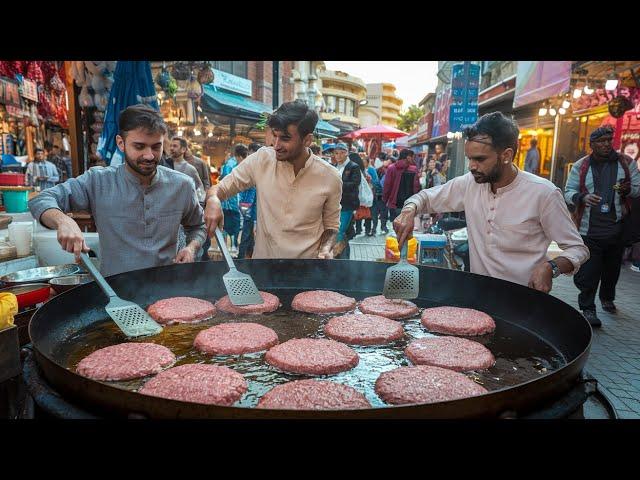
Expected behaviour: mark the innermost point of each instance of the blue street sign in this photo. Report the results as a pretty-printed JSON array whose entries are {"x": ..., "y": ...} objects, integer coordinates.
[{"x": 465, "y": 82}]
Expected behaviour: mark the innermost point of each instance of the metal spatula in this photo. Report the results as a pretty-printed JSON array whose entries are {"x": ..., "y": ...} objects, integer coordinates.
[
  {"x": 402, "y": 280},
  {"x": 129, "y": 316},
  {"x": 241, "y": 288}
]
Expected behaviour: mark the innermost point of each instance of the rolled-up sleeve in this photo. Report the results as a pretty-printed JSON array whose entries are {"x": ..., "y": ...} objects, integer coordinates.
[
  {"x": 331, "y": 209},
  {"x": 241, "y": 177},
  {"x": 444, "y": 198},
  {"x": 72, "y": 195},
  {"x": 193, "y": 220},
  {"x": 558, "y": 227}
]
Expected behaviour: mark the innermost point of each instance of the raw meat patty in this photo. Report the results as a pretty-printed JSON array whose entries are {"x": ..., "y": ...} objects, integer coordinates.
[
  {"x": 198, "y": 383},
  {"x": 312, "y": 356},
  {"x": 363, "y": 329},
  {"x": 271, "y": 304},
  {"x": 424, "y": 384},
  {"x": 125, "y": 361},
  {"x": 313, "y": 395},
  {"x": 454, "y": 353},
  {"x": 457, "y": 321},
  {"x": 181, "y": 310},
  {"x": 322, "y": 301},
  {"x": 385, "y": 307},
  {"x": 235, "y": 339}
]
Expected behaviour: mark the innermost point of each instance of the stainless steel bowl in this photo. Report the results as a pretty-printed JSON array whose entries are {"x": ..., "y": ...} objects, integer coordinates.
[
  {"x": 62, "y": 284},
  {"x": 40, "y": 274}
]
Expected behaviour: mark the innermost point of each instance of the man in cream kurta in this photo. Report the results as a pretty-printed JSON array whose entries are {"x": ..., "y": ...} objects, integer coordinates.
[
  {"x": 294, "y": 210},
  {"x": 298, "y": 192},
  {"x": 512, "y": 216}
]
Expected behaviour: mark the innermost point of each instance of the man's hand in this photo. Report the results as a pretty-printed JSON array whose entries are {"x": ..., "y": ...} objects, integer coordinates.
[
  {"x": 542, "y": 277},
  {"x": 186, "y": 255},
  {"x": 213, "y": 215},
  {"x": 403, "y": 225},
  {"x": 325, "y": 253},
  {"x": 591, "y": 199},
  {"x": 70, "y": 237}
]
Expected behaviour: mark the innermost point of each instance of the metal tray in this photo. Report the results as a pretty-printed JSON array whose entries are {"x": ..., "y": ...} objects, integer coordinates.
[{"x": 40, "y": 274}]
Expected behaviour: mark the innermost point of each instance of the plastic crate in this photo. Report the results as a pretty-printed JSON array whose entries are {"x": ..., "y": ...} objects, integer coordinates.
[{"x": 12, "y": 179}]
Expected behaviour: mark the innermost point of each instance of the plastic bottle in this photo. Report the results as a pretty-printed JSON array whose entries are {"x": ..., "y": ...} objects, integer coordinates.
[{"x": 391, "y": 251}]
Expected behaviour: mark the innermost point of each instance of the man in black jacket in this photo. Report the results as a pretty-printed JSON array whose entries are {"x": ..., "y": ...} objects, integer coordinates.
[{"x": 350, "y": 201}]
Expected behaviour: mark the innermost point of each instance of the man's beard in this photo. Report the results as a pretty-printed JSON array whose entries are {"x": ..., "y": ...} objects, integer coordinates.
[
  {"x": 132, "y": 164},
  {"x": 492, "y": 177}
]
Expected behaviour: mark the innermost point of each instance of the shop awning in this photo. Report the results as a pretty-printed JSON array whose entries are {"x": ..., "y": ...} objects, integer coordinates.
[
  {"x": 226, "y": 103},
  {"x": 538, "y": 81},
  {"x": 324, "y": 128}
]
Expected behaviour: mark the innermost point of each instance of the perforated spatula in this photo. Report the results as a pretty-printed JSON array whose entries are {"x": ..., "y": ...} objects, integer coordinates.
[
  {"x": 241, "y": 288},
  {"x": 402, "y": 280},
  {"x": 132, "y": 319}
]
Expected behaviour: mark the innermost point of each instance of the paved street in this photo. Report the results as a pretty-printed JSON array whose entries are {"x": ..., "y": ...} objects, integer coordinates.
[{"x": 615, "y": 354}]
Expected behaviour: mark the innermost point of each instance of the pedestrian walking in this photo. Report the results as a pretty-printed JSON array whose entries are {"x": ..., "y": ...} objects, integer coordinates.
[
  {"x": 532, "y": 159},
  {"x": 600, "y": 187},
  {"x": 401, "y": 182}
]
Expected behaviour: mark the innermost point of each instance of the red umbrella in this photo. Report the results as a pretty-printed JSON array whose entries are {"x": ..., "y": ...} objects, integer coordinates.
[{"x": 377, "y": 131}]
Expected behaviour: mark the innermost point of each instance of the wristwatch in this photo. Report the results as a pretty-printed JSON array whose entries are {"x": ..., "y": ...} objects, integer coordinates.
[{"x": 555, "y": 269}]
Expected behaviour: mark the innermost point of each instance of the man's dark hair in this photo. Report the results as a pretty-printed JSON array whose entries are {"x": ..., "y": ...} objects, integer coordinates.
[
  {"x": 38, "y": 149},
  {"x": 254, "y": 146},
  {"x": 295, "y": 113},
  {"x": 534, "y": 142},
  {"x": 404, "y": 153},
  {"x": 141, "y": 116},
  {"x": 382, "y": 156},
  {"x": 182, "y": 141},
  {"x": 315, "y": 148},
  {"x": 502, "y": 130},
  {"x": 240, "y": 150}
]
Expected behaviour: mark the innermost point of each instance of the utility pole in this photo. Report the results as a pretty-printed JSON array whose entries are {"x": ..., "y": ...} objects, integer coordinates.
[{"x": 276, "y": 84}]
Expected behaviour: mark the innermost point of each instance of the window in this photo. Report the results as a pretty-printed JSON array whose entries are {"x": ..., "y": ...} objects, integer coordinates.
[
  {"x": 350, "y": 105},
  {"x": 239, "y": 69},
  {"x": 330, "y": 100},
  {"x": 341, "y": 108}
]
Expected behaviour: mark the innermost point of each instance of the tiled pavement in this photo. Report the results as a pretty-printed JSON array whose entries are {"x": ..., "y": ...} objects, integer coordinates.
[{"x": 615, "y": 352}]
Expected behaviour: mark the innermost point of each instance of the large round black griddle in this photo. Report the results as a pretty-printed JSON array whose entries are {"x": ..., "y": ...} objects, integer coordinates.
[{"x": 544, "y": 318}]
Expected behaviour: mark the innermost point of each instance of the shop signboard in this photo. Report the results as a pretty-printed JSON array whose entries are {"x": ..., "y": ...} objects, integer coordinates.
[
  {"x": 465, "y": 81},
  {"x": 29, "y": 90},
  {"x": 232, "y": 83},
  {"x": 424, "y": 127},
  {"x": 9, "y": 92},
  {"x": 441, "y": 112}
]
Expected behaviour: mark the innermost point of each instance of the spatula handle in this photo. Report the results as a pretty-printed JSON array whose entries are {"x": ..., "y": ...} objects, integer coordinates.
[
  {"x": 403, "y": 251},
  {"x": 97, "y": 276},
  {"x": 224, "y": 249}
]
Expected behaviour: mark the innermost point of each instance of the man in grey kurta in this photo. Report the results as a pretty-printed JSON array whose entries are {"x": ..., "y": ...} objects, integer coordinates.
[{"x": 138, "y": 206}]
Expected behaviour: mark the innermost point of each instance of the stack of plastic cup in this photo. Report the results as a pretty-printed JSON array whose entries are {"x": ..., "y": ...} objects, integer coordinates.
[{"x": 20, "y": 234}]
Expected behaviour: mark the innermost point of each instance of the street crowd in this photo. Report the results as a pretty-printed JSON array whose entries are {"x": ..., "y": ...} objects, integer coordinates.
[{"x": 293, "y": 198}]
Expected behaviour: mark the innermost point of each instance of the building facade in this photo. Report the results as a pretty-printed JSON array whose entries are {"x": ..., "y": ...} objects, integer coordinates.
[
  {"x": 383, "y": 106},
  {"x": 342, "y": 94}
]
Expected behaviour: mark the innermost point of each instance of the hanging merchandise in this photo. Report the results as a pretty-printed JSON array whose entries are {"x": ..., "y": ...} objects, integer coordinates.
[
  {"x": 181, "y": 71},
  {"x": 56, "y": 83},
  {"x": 163, "y": 78},
  {"x": 206, "y": 75},
  {"x": 98, "y": 84},
  {"x": 34, "y": 72},
  {"x": 194, "y": 89},
  {"x": 78, "y": 73},
  {"x": 101, "y": 101},
  {"x": 85, "y": 98}
]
